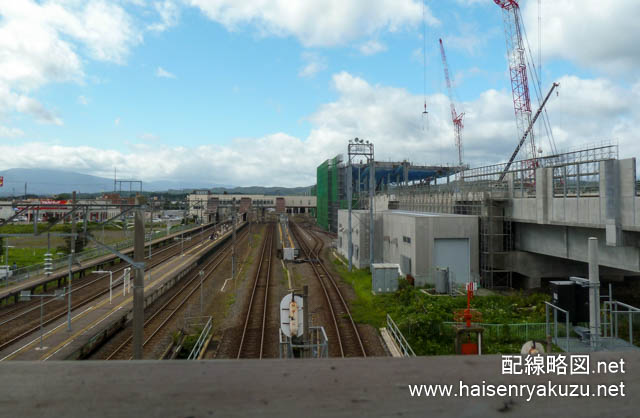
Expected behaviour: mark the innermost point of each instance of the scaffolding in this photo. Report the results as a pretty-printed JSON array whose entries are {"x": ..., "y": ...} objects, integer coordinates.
[
  {"x": 327, "y": 192},
  {"x": 495, "y": 246}
]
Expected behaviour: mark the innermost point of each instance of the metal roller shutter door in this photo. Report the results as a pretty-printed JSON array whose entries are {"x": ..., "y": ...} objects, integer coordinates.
[{"x": 453, "y": 253}]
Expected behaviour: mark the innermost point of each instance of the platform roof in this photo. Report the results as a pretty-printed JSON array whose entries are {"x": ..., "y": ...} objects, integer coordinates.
[{"x": 392, "y": 171}]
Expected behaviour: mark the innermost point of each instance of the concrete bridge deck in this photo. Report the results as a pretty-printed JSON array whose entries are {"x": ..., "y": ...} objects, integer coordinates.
[{"x": 371, "y": 387}]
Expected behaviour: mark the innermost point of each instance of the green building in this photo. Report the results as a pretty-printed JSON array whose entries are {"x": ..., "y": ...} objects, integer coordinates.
[{"x": 327, "y": 193}]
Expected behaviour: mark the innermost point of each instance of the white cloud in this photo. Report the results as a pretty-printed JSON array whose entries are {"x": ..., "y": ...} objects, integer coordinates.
[
  {"x": 116, "y": 122},
  {"x": 318, "y": 22},
  {"x": 592, "y": 33},
  {"x": 14, "y": 102},
  {"x": 372, "y": 47},
  {"x": 314, "y": 64},
  {"x": 83, "y": 100},
  {"x": 473, "y": 2},
  {"x": 586, "y": 111},
  {"x": 6, "y": 132},
  {"x": 148, "y": 136},
  {"x": 41, "y": 43},
  {"x": 34, "y": 108},
  {"x": 162, "y": 73},
  {"x": 468, "y": 41},
  {"x": 169, "y": 13}
]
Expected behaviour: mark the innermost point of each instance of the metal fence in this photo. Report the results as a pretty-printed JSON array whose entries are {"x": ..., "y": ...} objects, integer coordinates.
[
  {"x": 521, "y": 331},
  {"x": 318, "y": 347},
  {"x": 406, "y": 349},
  {"x": 575, "y": 172},
  {"x": 618, "y": 322},
  {"x": 202, "y": 338}
]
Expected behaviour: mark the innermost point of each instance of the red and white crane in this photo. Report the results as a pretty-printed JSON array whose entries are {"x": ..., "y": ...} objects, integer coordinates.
[
  {"x": 516, "y": 56},
  {"x": 456, "y": 117}
]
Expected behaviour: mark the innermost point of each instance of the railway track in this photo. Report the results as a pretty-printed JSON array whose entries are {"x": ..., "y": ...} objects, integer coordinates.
[
  {"x": 252, "y": 342},
  {"x": 21, "y": 321},
  {"x": 348, "y": 337},
  {"x": 155, "y": 327}
]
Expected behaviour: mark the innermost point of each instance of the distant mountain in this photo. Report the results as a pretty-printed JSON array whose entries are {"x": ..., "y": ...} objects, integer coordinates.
[{"x": 49, "y": 182}]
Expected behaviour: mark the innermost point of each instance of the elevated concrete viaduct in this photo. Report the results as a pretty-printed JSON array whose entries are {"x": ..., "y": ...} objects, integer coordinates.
[{"x": 536, "y": 223}]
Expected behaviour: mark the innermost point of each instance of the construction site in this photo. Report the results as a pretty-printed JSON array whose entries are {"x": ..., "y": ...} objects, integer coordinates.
[{"x": 531, "y": 225}]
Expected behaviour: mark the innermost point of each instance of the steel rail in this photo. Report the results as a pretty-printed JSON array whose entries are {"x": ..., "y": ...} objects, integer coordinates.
[
  {"x": 268, "y": 242},
  {"x": 315, "y": 253},
  {"x": 216, "y": 261},
  {"x": 78, "y": 304}
]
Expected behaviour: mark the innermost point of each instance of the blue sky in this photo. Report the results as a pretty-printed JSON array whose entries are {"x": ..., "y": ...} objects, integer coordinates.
[{"x": 259, "y": 92}]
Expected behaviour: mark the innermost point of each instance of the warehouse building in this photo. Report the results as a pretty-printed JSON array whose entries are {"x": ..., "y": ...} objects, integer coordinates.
[{"x": 419, "y": 242}]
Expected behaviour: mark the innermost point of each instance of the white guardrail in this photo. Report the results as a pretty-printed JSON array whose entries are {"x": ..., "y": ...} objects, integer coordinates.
[{"x": 407, "y": 351}]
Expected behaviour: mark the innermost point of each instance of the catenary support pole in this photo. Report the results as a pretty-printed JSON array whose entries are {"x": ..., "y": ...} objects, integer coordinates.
[
  {"x": 372, "y": 188},
  {"x": 138, "y": 286},
  {"x": 349, "y": 202},
  {"x": 594, "y": 293},
  {"x": 151, "y": 232},
  {"x": 71, "y": 254},
  {"x": 233, "y": 240}
]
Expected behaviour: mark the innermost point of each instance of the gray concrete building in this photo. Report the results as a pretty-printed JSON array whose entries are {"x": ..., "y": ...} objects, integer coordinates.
[
  {"x": 418, "y": 242},
  {"x": 211, "y": 207}
]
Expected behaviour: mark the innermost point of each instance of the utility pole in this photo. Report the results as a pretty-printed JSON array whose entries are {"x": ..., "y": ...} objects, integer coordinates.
[
  {"x": 184, "y": 218},
  {"x": 349, "y": 200},
  {"x": 71, "y": 254},
  {"x": 372, "y": 188},
  {"x": 201, "y": 291},
  {"x": 86, "y": 220},
  {"x": 233, "y": 239},
  {"x": 594, "y": 293},
  {"x": 151, "y": 232},
  {"x": 360, "y": 147},
  {"x": 138, "y": 286}
]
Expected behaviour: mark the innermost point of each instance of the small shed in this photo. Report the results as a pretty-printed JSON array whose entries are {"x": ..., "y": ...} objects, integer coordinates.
[{"x": 384, "y": 277}]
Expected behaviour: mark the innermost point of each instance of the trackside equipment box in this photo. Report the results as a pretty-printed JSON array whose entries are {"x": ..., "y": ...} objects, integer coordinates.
[{"x": 384, "y": 277}]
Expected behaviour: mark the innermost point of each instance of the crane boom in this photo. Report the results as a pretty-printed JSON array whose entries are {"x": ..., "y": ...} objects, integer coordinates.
[
  {"x": 455, "y": 117},
  {"x": 526, "y": 132},
  {"x": 516, "y": 55}
]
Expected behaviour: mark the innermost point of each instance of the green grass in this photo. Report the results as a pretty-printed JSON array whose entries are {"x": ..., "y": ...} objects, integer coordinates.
[
  {"x": 229, "y": 301},
  {"x": 25, "y": 256},
  {"x": 188, "y": 343},
  {"x": 285, "y": 276},
  {"x": 421, "y": 317},
  {"x": 255, "y": 240},
  {"x": 28, "y": 228},
  {"x": 366, "y": 307}
]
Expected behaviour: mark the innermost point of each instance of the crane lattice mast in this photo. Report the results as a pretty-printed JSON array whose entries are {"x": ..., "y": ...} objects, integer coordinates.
[
  {"x": 518, "y": 69},
  {"x": 456, "y": 117}
]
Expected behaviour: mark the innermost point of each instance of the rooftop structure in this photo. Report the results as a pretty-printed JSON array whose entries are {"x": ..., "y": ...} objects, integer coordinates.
[{"x": 331, "y": 189}]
